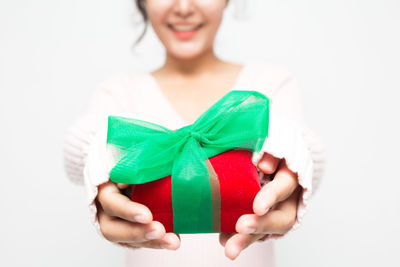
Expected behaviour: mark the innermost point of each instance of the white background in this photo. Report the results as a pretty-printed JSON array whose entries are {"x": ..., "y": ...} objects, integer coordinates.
[{"x": 345, "y": 53}]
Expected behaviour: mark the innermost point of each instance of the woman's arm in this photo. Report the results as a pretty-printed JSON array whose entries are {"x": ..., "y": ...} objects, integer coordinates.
[
  {"x": 290, "y": 138},
  {"x": 281, "y": 204},
  {"x": 115, "y": 217},
  {"x": 82, "y": 132},
  {"x": 80, "y": 137}
]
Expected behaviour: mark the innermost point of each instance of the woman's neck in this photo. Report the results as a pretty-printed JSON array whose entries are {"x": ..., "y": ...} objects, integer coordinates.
[{"x": 194, "y": 67}]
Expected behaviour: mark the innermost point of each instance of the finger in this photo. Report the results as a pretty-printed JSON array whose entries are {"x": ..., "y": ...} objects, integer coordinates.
[
  {"x": 269, "y": 237},
  {"x": 277, "y": 221},
  {"x": 239, "y": 242},
  {"x": 179, "y": 236},
  {"x": 122, "y": 186},
  {"x": 170, "y": 241},
  {"x": 265, "y": 237},
  {"x": 268, "y": 163},
  {"x": 129, "y": 245},
  {"x": 118, "y": 230},
  {"x": 148, "y": 244},
  {"x": 118, "y": 205},
  {"x": 223, "y": 237},
  {"x": 283, "y": 185}
]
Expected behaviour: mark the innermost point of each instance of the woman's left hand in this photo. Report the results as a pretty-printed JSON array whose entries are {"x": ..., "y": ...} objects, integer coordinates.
[{"x": 275, "y": 208}]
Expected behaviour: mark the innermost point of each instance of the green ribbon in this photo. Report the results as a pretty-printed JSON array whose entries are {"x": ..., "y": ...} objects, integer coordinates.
[{"x": 146, "y": 152}]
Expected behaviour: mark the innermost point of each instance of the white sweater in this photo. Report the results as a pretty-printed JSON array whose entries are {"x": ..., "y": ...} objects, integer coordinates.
[{"x": 138, "y": 95}]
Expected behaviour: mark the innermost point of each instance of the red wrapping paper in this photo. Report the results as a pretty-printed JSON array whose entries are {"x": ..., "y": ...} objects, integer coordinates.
[{"x": 239, "y": 184}]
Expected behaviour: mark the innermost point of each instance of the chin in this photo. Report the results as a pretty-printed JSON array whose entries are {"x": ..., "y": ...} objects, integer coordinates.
[
  {"x": 186, "y": 56},
  {"x": 186, "y": 53},
  {"x": 189, "y": 54}
]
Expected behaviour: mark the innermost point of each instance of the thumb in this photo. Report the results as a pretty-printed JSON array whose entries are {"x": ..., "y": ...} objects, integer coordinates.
[{"x": 268, "y": 163}]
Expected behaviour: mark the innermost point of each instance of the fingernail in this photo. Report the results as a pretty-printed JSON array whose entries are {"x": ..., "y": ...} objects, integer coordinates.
[
  {"x": 153, "y": 235},
  {"x": 140, "y": 218},
  {"x": 249, "y": 230},
  {"x": 264, "y": 165}
]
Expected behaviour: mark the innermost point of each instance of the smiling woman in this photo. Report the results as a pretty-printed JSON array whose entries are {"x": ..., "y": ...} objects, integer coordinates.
[{"x": 191, "y": 80}]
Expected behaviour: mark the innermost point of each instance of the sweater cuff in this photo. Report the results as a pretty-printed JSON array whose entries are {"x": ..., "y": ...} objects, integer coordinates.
[
  {"x": 96, "y": 173},
  {"x": 304, "y": 155}
]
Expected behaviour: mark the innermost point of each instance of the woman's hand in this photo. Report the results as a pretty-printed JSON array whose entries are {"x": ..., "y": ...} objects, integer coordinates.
[
  {"x": 129, "y": 223},
  {"x": 275, "y": 208}
]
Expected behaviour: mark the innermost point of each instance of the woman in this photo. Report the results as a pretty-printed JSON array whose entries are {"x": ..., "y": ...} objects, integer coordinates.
[{"x": 191, "y": 80}]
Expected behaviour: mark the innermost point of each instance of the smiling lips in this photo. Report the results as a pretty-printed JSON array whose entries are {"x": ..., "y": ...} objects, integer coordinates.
[{"x": 185, "y": 31}]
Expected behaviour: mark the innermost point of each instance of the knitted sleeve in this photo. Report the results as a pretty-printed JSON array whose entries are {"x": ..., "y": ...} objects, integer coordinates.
[{"x": 83, "y": 135}]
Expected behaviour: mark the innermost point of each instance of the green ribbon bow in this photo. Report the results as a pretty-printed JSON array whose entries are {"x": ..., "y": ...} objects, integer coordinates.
[{"x": 146, "y": 152}]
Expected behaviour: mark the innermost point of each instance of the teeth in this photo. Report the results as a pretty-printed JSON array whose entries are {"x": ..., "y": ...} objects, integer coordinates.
[{"x": 184, "y": 28}]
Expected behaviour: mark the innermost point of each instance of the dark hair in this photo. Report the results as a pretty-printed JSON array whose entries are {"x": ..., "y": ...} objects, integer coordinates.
[{"x": 140, "y": 4}]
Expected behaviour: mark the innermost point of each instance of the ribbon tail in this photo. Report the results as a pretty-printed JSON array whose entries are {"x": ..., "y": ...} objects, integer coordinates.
[{"x": 191, "y": 191}]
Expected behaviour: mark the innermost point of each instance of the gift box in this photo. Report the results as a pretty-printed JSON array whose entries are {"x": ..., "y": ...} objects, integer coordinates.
[{"x": 199, "y": 178}]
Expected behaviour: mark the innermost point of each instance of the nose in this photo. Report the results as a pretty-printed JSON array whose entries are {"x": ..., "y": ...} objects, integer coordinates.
[{"x": 183, "y": 8}]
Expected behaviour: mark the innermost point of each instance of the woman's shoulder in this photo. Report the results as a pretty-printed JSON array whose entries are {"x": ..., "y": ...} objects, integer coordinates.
[
  {"x": 267, "y": 76},
  {"x": 125, "y": 79},
  {"x": 126, "y": 88}
]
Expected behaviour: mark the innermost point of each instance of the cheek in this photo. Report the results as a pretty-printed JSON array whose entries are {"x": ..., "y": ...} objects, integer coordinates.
[
  {"x": 157, "y": 12},
  {"x": 211, "y": 8},
  {"x": 212, "y": 13}
]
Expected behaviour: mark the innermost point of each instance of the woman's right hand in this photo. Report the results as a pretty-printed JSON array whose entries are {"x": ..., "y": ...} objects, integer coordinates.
[{"x": 130, "y": 223}]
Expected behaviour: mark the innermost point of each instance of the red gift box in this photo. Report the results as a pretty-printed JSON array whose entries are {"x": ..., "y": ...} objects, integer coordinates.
[{"x": 238, "y": 185}]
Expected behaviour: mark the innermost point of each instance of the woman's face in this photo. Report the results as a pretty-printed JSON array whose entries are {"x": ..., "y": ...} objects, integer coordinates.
[{"x": 187, "y": 28}]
